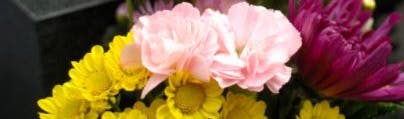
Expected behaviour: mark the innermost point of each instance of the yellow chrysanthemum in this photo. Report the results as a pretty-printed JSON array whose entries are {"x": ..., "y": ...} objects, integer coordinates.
[
  {"x": 130, "y": 78},
  {"x": 128, "y": 113},
  {"x": 189, "y": 98},
  {"x": 90, "y": 77},
  {"x": 240, "y": 106},
  {"x": 321, "y": 110},
  {"x": 66, "y": 103},
  {"x": 149, "y": 111}
]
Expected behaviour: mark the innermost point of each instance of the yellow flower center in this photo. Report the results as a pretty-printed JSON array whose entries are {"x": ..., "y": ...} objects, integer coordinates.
[
  {"x": 98, "y": 83},
  {"x": 188, "y": 98},
  {"x": 237, "y": 113}
]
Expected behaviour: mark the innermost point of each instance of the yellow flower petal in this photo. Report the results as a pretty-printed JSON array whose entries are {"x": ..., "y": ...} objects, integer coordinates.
[
  {"x": 108, "y": 115},
  {"x": 46, "y": 116},
  {"x": 241, "y": 106},
  {"x": 47, "y": 105},
  {"x": 149, "y": 111},
  {"x": 164, "y": 113},
  {"x": 320, "y": 110},
  {"x": 213, "y": 104}
]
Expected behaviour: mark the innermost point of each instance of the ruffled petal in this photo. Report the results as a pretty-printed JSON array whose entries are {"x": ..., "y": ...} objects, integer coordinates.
[{"x": 155, "y": 79}]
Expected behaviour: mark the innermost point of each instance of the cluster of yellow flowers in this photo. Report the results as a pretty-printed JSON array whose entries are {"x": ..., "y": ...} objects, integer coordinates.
[
  {"x": 95, "y": 80},
  {"x": 98, "y": 78}
]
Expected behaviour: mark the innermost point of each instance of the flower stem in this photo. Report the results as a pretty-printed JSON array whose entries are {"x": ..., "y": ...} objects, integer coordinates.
[
  {"x": 115, "y": 106},
  {"x": 129, "y": 4}
]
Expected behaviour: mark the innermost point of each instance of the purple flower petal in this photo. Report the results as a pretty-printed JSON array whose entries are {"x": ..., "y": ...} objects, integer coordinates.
[{"x": 340, "y": 60}]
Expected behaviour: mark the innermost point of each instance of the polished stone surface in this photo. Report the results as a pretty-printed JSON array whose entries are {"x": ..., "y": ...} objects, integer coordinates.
[
  {"x": 44, "y": 9},
  {"x": 39, "y": 38}
]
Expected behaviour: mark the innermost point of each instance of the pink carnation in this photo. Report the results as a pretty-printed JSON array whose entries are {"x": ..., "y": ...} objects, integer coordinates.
[
  {"x": 249, "y": 46},
  {"x": 176, "y": 40},
  {"x": 264, "y": 41}
]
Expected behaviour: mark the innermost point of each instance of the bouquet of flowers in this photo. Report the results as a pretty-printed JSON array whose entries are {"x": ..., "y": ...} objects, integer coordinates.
[{"x": 232, "y": 59}]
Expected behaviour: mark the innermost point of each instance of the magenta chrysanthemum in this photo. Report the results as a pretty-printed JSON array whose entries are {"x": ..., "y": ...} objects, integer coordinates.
[{"x": 339, "y": 59}]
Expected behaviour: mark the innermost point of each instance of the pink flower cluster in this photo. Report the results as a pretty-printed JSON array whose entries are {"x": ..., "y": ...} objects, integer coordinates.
[{"x": 248, "y": 46}]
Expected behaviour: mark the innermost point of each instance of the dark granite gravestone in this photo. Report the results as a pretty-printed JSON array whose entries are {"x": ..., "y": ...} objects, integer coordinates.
[{"x": 39, "y": 38}]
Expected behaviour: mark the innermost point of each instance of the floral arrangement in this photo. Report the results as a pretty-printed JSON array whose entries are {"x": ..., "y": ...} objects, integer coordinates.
[{"x": 231, "y": 59}]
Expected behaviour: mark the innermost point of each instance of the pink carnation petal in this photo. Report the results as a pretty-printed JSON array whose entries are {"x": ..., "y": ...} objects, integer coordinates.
[
  {"x": 156, "y": 59},
  {"x": 221, "y": 25},
  {"x": 130, "y": 57},
  {"x": 199, "y": 68},
  {"x": 280, "y": 79},
  {"x": 256, "y": 89},
  {"x": 226, "y": 69},
  {"x": 186, "y": 10},
  {"x": 155, "y": 79}
]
